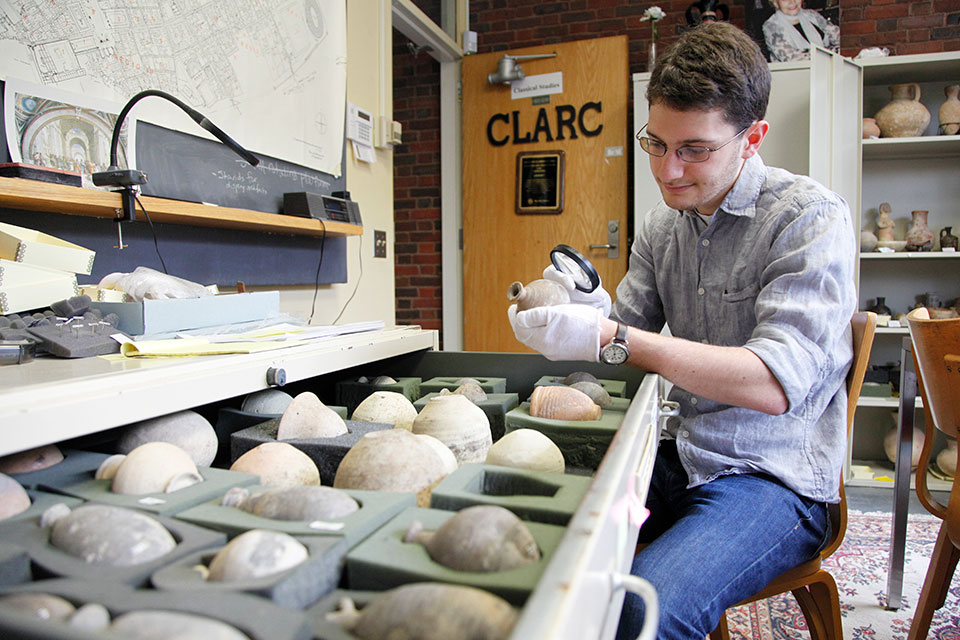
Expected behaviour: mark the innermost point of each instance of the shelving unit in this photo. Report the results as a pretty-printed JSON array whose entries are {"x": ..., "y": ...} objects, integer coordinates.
[{"x": 916, "y": 173}]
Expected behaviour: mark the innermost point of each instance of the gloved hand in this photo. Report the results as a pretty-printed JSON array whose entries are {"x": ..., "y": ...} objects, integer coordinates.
[
  {"x": 559, "y": 332},
  {"x": 598, "y": 298},
  {"x": 145, "y": 283}
]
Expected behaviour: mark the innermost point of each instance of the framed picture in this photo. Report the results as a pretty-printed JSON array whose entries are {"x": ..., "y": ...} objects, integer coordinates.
[
  {"x": 540, "y": 182},
  {"x": 785, "y": 29}
]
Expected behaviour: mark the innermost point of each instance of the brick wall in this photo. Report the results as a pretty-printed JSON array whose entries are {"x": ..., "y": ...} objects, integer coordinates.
[{"x": 903, "y": 27}]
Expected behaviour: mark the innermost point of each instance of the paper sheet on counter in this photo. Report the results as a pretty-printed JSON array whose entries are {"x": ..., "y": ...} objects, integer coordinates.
[{"x": 197, "y": 347}]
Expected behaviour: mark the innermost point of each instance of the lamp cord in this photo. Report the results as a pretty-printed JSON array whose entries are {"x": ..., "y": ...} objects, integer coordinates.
[
  {"x": 156, "y": 244},
  {"x": 316, "y": 280}
]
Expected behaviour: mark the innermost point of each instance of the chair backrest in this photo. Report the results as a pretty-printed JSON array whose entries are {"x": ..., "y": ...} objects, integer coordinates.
[
  {"x": 936, "y": 342},
  {"x": 932, "y": 340},
  {"x": 864, "y": 325}
]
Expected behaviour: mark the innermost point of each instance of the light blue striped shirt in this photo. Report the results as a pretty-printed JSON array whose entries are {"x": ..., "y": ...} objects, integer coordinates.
[{"x": 773, "y": 272}]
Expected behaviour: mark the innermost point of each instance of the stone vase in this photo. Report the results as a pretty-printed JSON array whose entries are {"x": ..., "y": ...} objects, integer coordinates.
[
  {"x": 947, "y": 459},
  {"x": 904, "y": 116},
  {"x": 919, "y": 236},
  {"x": 950, "y": 111}
]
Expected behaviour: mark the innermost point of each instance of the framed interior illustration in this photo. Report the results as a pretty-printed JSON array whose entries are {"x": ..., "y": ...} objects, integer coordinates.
[{"x": 540, "y": 181}]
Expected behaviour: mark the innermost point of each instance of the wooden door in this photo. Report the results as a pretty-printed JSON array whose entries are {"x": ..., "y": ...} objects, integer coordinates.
[{"x": 586, "y": 125}]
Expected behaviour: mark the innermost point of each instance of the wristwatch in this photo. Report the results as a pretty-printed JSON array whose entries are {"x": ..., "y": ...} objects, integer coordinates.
[{"x": 616, "y": 351}]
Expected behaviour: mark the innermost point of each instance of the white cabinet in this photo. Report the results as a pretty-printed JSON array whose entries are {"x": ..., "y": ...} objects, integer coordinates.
[
  {"x": 814, "y": 123},
  {"x": 919, "y": 173}
]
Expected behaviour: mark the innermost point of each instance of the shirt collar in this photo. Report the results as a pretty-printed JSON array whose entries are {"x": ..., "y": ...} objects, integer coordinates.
[{"x": 741, "y": 200}]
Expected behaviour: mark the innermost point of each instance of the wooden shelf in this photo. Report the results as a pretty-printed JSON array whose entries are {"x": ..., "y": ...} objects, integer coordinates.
[{"x": 17, "y": 193}]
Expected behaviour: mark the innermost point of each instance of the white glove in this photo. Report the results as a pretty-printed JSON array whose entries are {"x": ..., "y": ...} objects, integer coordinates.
[
  {"x": 145, "y": 283},
  {"x": 598, "y": 298},
  {"x": 559, "y": 332}
]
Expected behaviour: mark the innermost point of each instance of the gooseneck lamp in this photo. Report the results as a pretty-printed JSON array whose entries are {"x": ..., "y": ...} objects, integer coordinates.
[{"x": 127, "y": 179}]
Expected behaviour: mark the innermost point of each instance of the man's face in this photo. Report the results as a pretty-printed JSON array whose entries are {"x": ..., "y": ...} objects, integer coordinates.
[
  {"x": 694, "y": 185},
  {"x": 790, "y": 7}
]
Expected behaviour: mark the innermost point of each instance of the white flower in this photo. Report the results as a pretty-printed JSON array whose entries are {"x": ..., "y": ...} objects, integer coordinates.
[{"x": 653, "y": 13}]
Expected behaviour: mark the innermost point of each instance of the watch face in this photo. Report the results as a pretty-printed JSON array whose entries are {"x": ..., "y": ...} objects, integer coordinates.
[{"x": 614, "y": 354}]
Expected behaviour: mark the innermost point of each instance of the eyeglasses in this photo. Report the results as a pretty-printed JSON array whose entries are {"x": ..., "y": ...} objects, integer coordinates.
[{"x": 685, "y": 153}]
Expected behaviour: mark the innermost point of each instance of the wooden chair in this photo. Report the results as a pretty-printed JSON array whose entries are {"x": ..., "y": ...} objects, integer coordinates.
[
  {"x": 936, "y": 354},
  {"x": 814, "y": 588}
]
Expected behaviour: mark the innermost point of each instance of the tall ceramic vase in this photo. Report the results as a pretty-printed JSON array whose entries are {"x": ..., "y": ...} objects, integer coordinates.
[
  {"x": 950, "y": 111},
  {"x": 904, "y": 116},
  {"x": 919, "y": 237}
]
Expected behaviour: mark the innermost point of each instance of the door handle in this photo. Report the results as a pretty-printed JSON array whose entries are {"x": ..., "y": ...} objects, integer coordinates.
[{"x": 613, "y": 240}]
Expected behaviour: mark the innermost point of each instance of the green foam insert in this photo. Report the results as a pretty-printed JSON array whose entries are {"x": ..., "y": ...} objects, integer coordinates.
[
  {"x": 582, "y": 442},
  {"x": 256, "y": 617},
  {"x": 351, "y": 393},
  {"x": 435, "y": 385},
  {"x": 538, "y": 496},
  {"x": 616, "y": 388},
  {"x": 49, "y": 561},
  {"x": 376, "y": 507},
  {"x": 495, "y": 407},
  {"x": 40, "y": 501},
  {"x": 14, "y": 565},
  {"x": 295, "y": 588},
  {"x": 384, "y": 560},
  {"x": 215, "y": 483},
  {"x": 76, "y": 466},
  {"x": 317, "y": 613}
]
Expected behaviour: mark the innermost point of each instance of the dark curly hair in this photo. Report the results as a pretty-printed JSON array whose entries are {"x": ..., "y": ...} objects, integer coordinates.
[{"x": 715, "y": 65}]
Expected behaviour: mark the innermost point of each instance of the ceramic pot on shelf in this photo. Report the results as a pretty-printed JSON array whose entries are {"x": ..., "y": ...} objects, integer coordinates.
[
  {"x": 950, "y": 111},
  {"x": 881, "y": 308},
  {"x": 868, "y": 241},
  {"x": 947, "y": 459},
  {"x": 904, "y": 116},
  {"x": 919, "y": 236},
  {"x": 870, "y": 129},
  {"x": 947, "y": 239}
]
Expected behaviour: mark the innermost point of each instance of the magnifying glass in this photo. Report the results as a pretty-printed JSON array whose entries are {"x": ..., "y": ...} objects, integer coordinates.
[{"x": 573, "y": 263}]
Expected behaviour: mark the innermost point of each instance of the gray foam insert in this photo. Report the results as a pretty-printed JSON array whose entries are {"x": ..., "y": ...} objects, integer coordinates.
[
  {"x": 495, "y": 407},
  {"x": 48, "y": 561},
  {"x": 582, "y": 442},
  {"x": 215, "y": 483},
  {"x": 384, "y": 560},
  {"x": 231, "y": 420},
  {"x": 376, "y": 507},
  {"x": 326, "y": 453},
  {"x": 258, "y": 618},
  {"x": 351, "y": 393},
  {"x": 538, "y": 496},
  {"x": 490, "y": 385},
  {"x": 295, "y": 588},
  {"x": 40, "y": 501},
  {"x": 76, "y": 466}
]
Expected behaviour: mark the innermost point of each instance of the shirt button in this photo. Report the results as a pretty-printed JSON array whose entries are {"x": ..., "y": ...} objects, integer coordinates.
[
  {"x": 701, "y": 291},
  {"x": 705, "y": 242},
  {"x": 693, "y": 401},
  {"x": 685, "y": 434}
]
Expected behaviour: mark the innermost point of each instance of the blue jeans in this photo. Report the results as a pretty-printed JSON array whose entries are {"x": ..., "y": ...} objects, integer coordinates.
[{"x": 714, "y": 545}]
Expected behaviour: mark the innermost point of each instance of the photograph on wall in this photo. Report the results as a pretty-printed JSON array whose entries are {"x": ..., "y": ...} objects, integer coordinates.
[{"x": 786, "y": 29}]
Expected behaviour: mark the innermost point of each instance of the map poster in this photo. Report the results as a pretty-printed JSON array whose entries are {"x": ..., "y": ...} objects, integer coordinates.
[{"x": 272, "y": 75}]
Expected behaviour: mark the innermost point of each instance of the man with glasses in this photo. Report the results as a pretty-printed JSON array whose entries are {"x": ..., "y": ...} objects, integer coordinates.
[{"x": 752, "y": 269}]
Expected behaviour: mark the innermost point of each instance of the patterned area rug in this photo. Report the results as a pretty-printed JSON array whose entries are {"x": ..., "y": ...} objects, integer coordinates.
[{"x": 860, "y": 569}]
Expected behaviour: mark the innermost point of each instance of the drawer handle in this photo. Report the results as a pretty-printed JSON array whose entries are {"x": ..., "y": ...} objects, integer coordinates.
[{"x": 639, "y": 586}]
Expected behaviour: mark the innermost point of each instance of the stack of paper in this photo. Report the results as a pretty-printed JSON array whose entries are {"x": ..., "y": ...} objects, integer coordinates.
[{"x": 37, "y": 269}]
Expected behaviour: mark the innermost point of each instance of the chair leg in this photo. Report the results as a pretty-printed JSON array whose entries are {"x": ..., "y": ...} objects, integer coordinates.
[
  {"x": 820, "y": 603},
  {"x": 943, "y": 563},
  {"x": 722, "y": 632}
]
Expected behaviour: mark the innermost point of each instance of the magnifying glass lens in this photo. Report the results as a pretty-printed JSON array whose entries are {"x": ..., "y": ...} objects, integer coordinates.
[{"x": 573, "y": 263}]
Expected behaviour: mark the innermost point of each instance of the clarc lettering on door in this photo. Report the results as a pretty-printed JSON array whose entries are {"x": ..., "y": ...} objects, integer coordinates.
[{"x": 565, "y": 122}]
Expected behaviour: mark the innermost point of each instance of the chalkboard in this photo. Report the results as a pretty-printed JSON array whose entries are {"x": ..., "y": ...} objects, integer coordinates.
[
  {"x": 182, "y": 166},
  {"x": 201, "y": 254}
]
